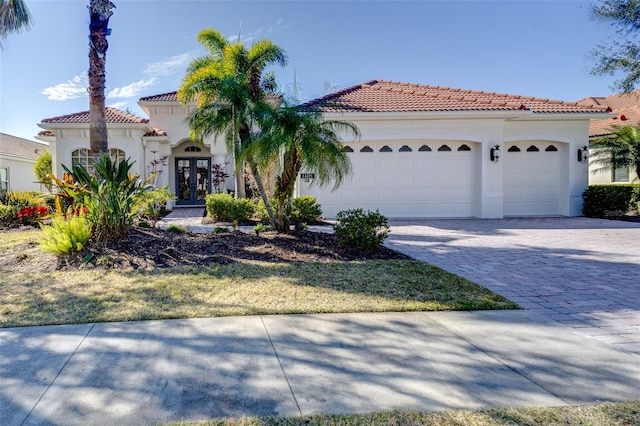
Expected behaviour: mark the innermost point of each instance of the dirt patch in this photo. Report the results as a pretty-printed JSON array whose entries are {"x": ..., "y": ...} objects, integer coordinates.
[{"x": 154, "y": 248}]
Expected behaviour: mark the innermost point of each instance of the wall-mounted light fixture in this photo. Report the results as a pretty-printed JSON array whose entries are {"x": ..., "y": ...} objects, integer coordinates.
[
  {"x": 495, "y": 153},
  {"x": 583, "y": 154}
]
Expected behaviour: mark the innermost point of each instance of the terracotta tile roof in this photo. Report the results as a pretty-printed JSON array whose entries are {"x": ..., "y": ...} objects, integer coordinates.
[
  {"x": 391, "y": 96},
  {"x": 615, "y": 102},
  {"x": 113, "y": 115},
  {"x": 46, "y": 133},
  {"x": 21, "y": 148},
  {"x": 163, "y": 97},
  {"x": 156, "y": 132},
  {"x": 626, "y": 106}
]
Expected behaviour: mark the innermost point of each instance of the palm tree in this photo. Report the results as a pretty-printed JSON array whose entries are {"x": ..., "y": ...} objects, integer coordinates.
[
  {"x": 14, "y": 17},
  {"x": 620, "y": 149},
  {"x": 229, "y": 88},
  {"x": 295, "y": 140},
  {"x": 100, "y": 12}
]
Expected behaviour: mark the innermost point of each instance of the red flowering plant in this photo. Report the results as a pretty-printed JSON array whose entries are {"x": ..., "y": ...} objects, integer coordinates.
[{"x": 32, "y": 214}]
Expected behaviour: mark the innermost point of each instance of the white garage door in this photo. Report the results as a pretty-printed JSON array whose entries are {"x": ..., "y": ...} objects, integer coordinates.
[
  {"x": 532, "y": 179},
  {"x": 405, "y": 179}
]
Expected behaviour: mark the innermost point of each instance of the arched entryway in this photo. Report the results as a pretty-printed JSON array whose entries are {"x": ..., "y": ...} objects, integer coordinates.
[{"x": 192, "y": 173}]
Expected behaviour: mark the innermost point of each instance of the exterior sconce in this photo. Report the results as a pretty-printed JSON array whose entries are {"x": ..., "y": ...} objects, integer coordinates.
[
  {"x": 495, "y": 153},
  {"x": 583, "y": 154}
]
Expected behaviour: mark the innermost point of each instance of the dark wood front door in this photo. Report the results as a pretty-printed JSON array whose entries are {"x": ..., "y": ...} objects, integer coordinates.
[{"x": 193, "y": 180}]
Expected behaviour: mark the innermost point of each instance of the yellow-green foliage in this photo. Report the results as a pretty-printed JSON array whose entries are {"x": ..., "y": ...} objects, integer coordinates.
[
  {"x": 65, "y": 235},
  {"x": 23, "y": 199}
]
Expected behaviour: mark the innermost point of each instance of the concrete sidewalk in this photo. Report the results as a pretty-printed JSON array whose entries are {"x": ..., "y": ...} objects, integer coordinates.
[{"x": 161, "y": 371}]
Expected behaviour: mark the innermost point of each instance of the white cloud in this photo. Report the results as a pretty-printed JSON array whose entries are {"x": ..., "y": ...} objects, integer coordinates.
[
  {"x": 72, "y": 89},
  {"x": 119, "y": 105},
  {"x": 169, "y": 66},
  {"x": 131, "y": 90}
]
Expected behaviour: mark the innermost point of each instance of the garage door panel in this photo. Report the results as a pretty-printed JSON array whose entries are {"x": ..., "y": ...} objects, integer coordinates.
[
  {"x": 532, "y": 181},
  {"x": 408, "y": 183}
]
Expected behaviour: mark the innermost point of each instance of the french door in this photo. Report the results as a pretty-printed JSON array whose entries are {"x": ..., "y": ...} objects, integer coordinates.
[{"x": 193, "y": 180}]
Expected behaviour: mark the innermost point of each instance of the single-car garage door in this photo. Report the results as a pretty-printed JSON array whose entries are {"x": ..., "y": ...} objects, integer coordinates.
[
  {"x": 532, "y": 178},
  {"x": 404, "y": 179}
]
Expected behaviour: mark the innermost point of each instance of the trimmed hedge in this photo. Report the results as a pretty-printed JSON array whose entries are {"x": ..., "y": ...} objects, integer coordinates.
[{"x": 610, "y": 200}]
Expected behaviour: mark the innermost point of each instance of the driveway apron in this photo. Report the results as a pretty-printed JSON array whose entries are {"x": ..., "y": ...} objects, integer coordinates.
[{"x": 583, "y": 273}]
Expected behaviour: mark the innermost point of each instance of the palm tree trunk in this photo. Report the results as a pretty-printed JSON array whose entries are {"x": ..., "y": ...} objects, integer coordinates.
[
  {"x": 263, "y": 194},
  {"x": 100, "y": 12}
]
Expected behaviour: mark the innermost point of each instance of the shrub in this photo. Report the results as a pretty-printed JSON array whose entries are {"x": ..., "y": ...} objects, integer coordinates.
[
  {"x": 176, "y": 229},
  {"x": 219, "y": 206},
  {"x": 261, "y": 227},
  {"x": 608, "y": 200},
  {"x": 22, "y": 208},
  {"x": 224, "y": 207},
  {"x": 66, "y": 235},
  {"x": 9, "y": 216},
  {"x": 242, "y": 209},
  {"x": 23, "y": 199},
  {"x": 635, "y": 199},
  {"x": 261, "y": 210},
  {"x": 149, "y": 204},
  {"x": 42, "y": 169},
  {"x": 305, "y": 209},
  {"x": 361, "y": 229}
]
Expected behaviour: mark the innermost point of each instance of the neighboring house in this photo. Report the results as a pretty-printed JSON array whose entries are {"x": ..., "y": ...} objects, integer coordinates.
[
  {"x": 17, "y": 158},
  {"x": 626, "y": 108},
  {"x": 424, "y": 151}
]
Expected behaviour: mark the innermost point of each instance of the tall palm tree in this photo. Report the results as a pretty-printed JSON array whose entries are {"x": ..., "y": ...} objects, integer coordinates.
[
  {"x": 229, "y": 87},
  {"x": 14, "y": 17},
  {"x": 100, "y": 12},
  {"x": 619, "y": 149},
  {"x": 295, "y": 140}
]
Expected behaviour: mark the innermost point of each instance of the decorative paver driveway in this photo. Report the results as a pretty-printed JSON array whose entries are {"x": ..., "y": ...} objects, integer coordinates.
[{"x": 584, "y": 273}]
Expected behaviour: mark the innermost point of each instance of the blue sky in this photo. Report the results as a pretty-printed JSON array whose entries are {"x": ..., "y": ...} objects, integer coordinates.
[{"x": 534, "y": 48}]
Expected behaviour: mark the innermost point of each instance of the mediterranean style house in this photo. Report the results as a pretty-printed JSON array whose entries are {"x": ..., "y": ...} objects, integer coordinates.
[
  {"x": 626, "y": 108},
  {"x": 17, "y": 158},
  {"x": 424, "y": 151}
]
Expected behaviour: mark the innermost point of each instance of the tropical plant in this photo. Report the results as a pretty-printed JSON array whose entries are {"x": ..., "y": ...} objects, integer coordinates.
[
  {"x": 229, "y": 89},
  {"x": 14, "y": 17},
  {"x": 219, "y": 176},
  {"x": 620, "y": 149},
  {"x": 42, "y": 169},
  {"x": 66, "y": 234},
  {"x": 295, "y": 140},
  {"x": 99, "y": 14},
  {"x": 109, "y": 196}
]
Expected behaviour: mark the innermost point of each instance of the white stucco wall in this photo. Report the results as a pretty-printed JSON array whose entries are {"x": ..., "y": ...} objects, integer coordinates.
[
  {"x": 21, "y": 175},
  {"x": 486, "y": 130}
]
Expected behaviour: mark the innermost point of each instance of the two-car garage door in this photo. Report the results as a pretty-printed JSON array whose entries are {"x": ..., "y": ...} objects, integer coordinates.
[
  {"x": 415, "y": 179},
  {"x": 406, "y": 179}
]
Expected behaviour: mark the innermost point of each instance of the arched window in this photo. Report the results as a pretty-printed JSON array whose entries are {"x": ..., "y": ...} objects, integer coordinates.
[
  {"x": 386, "y": 148},
  {"x": 193, "y": 148},
  {"x": 513, "y": 148},
  {"x": 347, "y": 148},
  {"x": 444, "y": 148},
  {"x": 405, "y": 148},
  {"x": 366, "y": 148},
  {"x": 551, "y": 148},
  {"x": 533, "y": 148},
  {"x": 424, "y": 148},
  {"x": 464, "y": 147},
  {"x": 83, "y": 157}
]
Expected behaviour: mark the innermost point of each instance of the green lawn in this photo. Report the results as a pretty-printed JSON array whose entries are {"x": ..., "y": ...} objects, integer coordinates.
[
  {"x": 606, "y": 414},
  {"x": 98, "y": 295}
]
